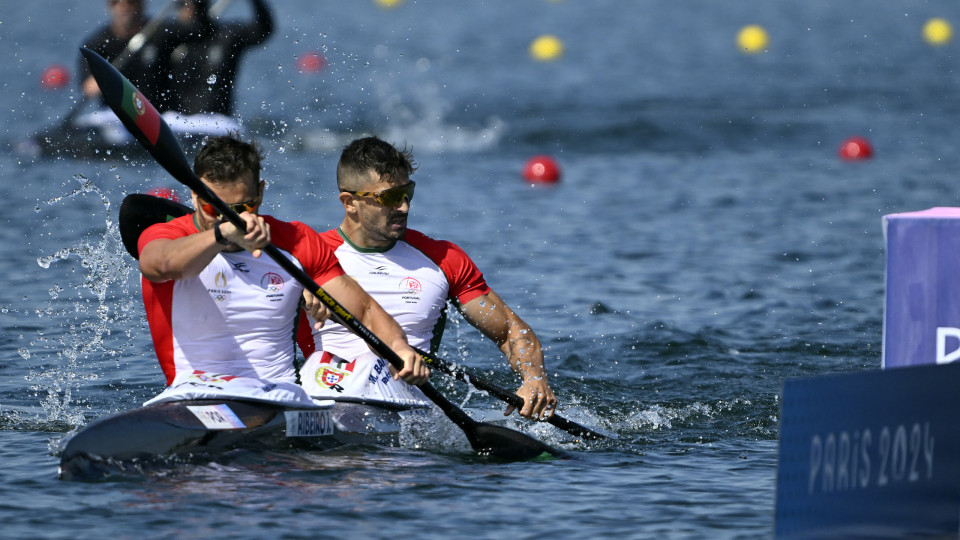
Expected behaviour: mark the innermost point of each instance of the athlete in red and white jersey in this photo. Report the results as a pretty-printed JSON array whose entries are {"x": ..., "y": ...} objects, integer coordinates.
[
  {"x": 213, "y": 307},
  {"x": 238, "y": 314},
  {"x": 412, "y": 279},
  {"x": 412, "y": 276}
]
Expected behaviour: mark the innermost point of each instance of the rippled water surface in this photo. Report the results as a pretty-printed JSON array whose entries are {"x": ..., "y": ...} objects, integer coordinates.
[{"x": 705, "y": 243}]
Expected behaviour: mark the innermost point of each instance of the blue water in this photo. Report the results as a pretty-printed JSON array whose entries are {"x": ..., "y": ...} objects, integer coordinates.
[{"x": 704, "y": 244}]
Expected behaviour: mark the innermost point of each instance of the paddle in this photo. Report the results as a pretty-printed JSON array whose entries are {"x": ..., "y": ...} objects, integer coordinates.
[
  {"x": 145, "y": 124},
  {"x": 479, "y": 381},
  {"x": 139, "y": 211}
]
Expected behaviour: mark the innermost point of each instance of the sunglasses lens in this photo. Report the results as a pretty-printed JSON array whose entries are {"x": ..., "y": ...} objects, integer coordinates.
[
  {"x": 394, "y": 196},
  {"x": 239, "y": 208}
]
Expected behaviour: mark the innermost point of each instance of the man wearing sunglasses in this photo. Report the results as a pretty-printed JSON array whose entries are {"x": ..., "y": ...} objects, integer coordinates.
[
  {"x": 214, "y": 305},
  {"x": 412, "y": 276}
]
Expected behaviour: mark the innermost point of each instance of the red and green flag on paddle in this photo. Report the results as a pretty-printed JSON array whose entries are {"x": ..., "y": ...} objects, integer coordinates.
[{"x": 141, "y": 112}]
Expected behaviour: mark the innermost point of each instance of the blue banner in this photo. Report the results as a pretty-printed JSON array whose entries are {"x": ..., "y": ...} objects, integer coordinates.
[
  {"x": 870, "y": 454},
  {"x": 922, "y": 311}
]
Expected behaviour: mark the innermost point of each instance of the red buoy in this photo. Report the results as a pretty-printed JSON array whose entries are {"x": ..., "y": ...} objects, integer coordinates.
[
  {"x": 311, "y": 62},
  {"x": 542, "y": 169},
  {"x": 54, "y": 77},
  {"x": 165, "y": 193},
  {"x": 855, "y": 148}
]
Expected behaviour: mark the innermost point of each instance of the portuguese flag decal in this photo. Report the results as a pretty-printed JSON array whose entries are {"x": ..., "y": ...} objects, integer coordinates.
[{"x": 141, "y": 111}]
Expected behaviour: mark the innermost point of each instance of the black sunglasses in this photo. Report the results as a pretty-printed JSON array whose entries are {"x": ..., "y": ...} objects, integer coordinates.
[{"x": 392, "y": 197}]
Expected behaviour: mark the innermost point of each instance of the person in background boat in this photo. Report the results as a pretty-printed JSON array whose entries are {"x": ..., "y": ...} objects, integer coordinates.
[
  {"x": 204, "y": 71},
  {"x": 412, "y": 276},
  {"x": 215, "y": 306},
  {"x": 144, "y": 68}
]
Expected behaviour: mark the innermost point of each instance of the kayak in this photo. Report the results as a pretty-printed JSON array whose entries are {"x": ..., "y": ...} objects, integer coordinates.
[
  {"x": 158, "y": 434},
  {"x": 100, "y": 134}
]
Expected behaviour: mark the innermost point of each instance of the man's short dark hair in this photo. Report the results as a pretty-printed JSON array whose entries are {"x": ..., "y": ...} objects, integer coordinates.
[
  {"x": 376, "y": 154},
  {"x": 224, "y": 158}
]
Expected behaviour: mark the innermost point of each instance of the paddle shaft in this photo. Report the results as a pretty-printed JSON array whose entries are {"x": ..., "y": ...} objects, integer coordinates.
[
  {"x": 218, "y": 8},
  {"x": 140, "y": 38},
  {"x": 482, "y": 383}
]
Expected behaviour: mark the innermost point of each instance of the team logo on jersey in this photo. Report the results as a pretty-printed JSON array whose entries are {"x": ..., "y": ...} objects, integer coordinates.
[
  {"x": 331, "y": 376},
  {"x": 410, "y": 285},
  {"x": 273, "y": 283},
  {"x": 219, "y": 290},
  {"x": 410, "y": 290},
  {"x": 210, "y": 377}
]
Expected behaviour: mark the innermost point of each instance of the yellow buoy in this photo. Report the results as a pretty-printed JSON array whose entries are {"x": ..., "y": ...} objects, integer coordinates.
[
  {"x": 937, "y": 31},
  {"x": 546, "y": 48},
  {"x": 389, "y": 3},
  {"x": 752, "y": 39}
]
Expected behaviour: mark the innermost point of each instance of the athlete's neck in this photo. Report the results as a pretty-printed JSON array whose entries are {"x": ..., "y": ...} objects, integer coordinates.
[
  {"x": 355, "y": 234},
  {"x": 370, "y": 247}
]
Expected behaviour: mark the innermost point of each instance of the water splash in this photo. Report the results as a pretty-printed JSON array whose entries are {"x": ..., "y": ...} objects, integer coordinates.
[
  {"x": 83, "y": 309},
  {"x": 660, "y": 417},
  {"x": 431, "y": 430}
]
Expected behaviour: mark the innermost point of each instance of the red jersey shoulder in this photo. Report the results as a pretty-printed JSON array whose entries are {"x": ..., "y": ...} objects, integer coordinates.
[
  {"x": 437, "y": 250},
  {"x": 171, "y": 230},
  {"x": 304, "y": 243},
  {"x": 332, "y": 238},
  {"x": 466, "y": 280}
]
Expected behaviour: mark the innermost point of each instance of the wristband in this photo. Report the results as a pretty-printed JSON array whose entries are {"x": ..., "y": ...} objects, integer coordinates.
[{"x": 218, "y": 236}]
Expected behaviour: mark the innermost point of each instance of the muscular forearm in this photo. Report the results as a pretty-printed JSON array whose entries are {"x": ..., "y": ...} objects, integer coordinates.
[
  {"x": 163, "y": 260},
  {"x": 513, "y": 336},
  {"x": 383, "y": 326},
  {"x": 366, "y": 310},
  {"x": 524, "y": 352}
]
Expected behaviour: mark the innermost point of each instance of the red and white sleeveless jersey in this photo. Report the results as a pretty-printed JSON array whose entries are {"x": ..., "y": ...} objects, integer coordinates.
[
  {"x": 238, "y": 317},
  {"x": 412, "y": 280}
]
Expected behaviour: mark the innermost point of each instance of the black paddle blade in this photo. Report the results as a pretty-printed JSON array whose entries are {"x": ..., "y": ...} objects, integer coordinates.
[
  {"x": 140, "y": 118},
  {"x": 488, "y": 439},
  {"x": 139, "y": 211},
  {"x": 507, "y": 444},
  {"x": 480, "y": 382}
]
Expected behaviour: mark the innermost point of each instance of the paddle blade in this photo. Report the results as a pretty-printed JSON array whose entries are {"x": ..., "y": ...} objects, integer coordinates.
[
  {"x": 139, "y": 211},
  {"x": 140, "y": 118},
  {"x": 507, "y": 444},
  {"x": 482, "y": 383}
]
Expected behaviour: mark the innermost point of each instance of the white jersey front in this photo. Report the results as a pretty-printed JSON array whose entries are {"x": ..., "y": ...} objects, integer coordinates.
[
  {"x": 413, "y": 280},
  {"x": 240, "y": 310},
  {"x": 239, "y": 316}
]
